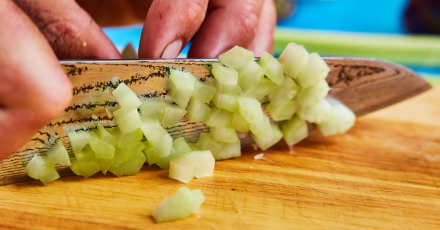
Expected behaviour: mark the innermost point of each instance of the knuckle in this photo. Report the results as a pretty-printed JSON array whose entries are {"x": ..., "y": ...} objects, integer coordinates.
[
  {"x": 248, "y": 20},
  {"x": 195, "y": 11}
]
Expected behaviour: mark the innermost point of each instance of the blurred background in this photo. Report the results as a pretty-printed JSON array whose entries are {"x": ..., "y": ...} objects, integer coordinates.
[{"x": 402, "y": 31}]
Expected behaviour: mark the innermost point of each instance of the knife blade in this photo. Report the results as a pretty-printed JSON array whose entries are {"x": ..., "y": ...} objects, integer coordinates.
[{"x": 364, "y": 85}]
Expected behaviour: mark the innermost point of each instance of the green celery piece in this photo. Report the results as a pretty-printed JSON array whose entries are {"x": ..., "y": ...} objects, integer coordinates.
[
  {"x": 134, "y": 165},
  {"x": 206, "y": 142},
  {"x": 316, "y": 113},
  {"x": 104, "y": 164},
  {"x": 179, "y": 148},
  {"x": 284, "y": 111},
  {"x": 313, "y": 94},
  {"x": 106, "y": 136},
  {"x": 102, "y": 149},
  {"x": 57, "y": 154},
  {"x": 294, "y": 130},
  {"x": 78, "y": 136},
  {"x": 152, "y": 108},
  {"x": 122, "y": 155},
  {"x": 227, "y": 151},
  {"x": 125, "y": 97},
  {"x": 316, "y": 70},
  {"x": 237, "y": 57},
  {"x": 249, "y": 75},
  {"x": 284, "y": 92},
  {"x": 199, "y": 198},
  {"x": 224, "y": 101},
  {"x": 181, "y": 169},
  {"x": 173, "y": 113},
  {"x": 203, "y": 91},
  {"x": 262, "y": 128},
  {"x": 294, "y": 58},
  {"x": 267, "y": 142},
  {"x": 179, "y": 206},
  {"x": 204, "y": 163},
  {"x": 219, "y": 118},
  {"x": 239, "y": 123},
  {"x": 197, "y": 110},
  {"x": 225, "y": 75},
  {"x": 84, "y": 168},
  {"x": 250, "y": 109},
  {"x": 262, "y": 89},
  {"x": 128, "y": 140},
  {"x": 223, "y": 134},
  {"x": 272, "y": 68},
  {"x": 340, "y": 120}
]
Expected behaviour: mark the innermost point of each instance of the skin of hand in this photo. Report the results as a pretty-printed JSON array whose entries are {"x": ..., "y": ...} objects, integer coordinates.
[{"x": 41, "y": 90}]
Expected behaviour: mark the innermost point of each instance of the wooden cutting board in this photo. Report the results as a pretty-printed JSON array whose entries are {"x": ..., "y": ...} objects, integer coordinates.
[{"x": 383, "y": 174}]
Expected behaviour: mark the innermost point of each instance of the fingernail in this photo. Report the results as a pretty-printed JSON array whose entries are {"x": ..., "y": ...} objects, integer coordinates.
[{"x": 173, "y": 49}]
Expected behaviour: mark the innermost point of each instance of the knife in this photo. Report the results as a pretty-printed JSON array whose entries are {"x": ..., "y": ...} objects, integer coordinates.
[{"x": 364, "y": 85}]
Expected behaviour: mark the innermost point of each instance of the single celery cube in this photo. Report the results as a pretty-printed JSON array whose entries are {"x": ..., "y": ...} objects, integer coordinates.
[
  {"x": 272, "y": 68},
  {"x": 164, "y": 162},
  {"x": 239, "y": 123},
  {"x": 316, "y": 113},
  {"x": 313, "y": 94},
  {"x": 340, "y": 120},
  {"x": 284, "y": 111},
  {"x": 197, "y": 110},
  {"x": 164, "y": 146},
  {"x": 204, "y": 91},
  {"x": 104, "y": 164},
  {"x": 219, "y": 117},
  {"x": 127, "y": 120},
  {"x": 78, "y": 136},
  {"x": 294, "y": 58},
  {"x": 182, "y": 79},
  {"x": 129, "y": 140},
  {"x": 86, "y": 155},
  {"x": 199, "y": 198},
  {"x": 284, "y": 92},
  {"x": 117, "y": 170},
  {"x": 267, "y": 142},
  {"x": 193, "y": 146},
  {"x": 181, "y": 169},
  {"x": 102, "y": 149},
  {"x": 122, "y": 155},
  {"x": 134, "y": 165},
  {"x": 206, "y": 142},
  {"x": 179, "y": 206},
  {"x": 57, "y": 154},
  {"x": 224, "y": 134},
  {"x": 150, "y": 153},
  {"x": 153, "y": 133},
  {"x": 262, "y": 128},
  {"x": 180, "y": 145},
  {"x": 40, "y": 168},
  {"x": 249, "y": 75},
  {"x": 294, "y": 130},
  {"x": 250, "y": 109},
  {"x": 233, "y": 90},
  {"x": 225, "y": 101},
  {"x": 172, "y": 114},
  {"x": 152, "y": 108},
  {"x": 237, "y": 57},
  {"x": 106, "y": 136},
  {"x": 228, "y": 150},
  {"x": 263, "y": 88},
  {"x": 84, "y": 168},
  {"x": 50, "y": 175},
  {"x": 125, "y": 97},
  {"x": 315, "y": 71},
  {"x": 225, "y": 75},
  {"x": 203, "y": 163},
  {"x": 180, "y": 95}
]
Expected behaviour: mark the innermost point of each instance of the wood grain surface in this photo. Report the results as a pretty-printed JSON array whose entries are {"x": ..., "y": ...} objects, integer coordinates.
[{"x": 382, "y": 174}]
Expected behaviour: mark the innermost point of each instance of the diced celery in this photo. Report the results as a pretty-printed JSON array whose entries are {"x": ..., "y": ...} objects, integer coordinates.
[
  {"x": 129, "y": 140},
  {"x": 249, "y": 75},
  {"x": 316, "y": 70},
  {"x": 225, "y": 101},
  {"x": 153, "y": 131},
  {"x": 203, "y": 163},
  {"x": 284, "y": 92},
  {"x": 340, "y": 120},
  {"x": 239, "y": 123},
  {"x": 233, "y": 90},
  {"x": 134, "y": 164},
  {"x": 104, "y": 164},
  {"x": 262, "y": 128},
  {"x": 272, "y": 68},
  {"x": 125, "y": 97},
  {"x": 179, "y": 206},
  {"x": 250, "y": 109},
  {"x": 179, "y": 148},
  {"x": 40, "y": 168},
  {"x": 193, "y": 146},
  {"x": 316, "y": 113},
  {"x": 313, "y": 94},
  {"x": 206, "y": 142},
  {"x": 224, "y": 134},
  {"x": 180, "y": 145},
  {"x": 225, "y": 75},
  {"x": 86, "y": 155},
  {"x": 117, "y": 170},
  {"x": 294, "y": 130},
  {"x": 219, "y": 117},
  {"x": 173, "y": 113},
  {"x": 180, "y": 86},
  {"x": 50, "y": 175},
  {"x": 152, "y": 108},
  {"x": 228, "y": 150},
  {"x": 57, "y": 154},
  {"x": 263, "y": 88},
  {"x": 294, "y": 58},
  {"x": 106, "y": 136},
  {"x": 164, "y": 146},
  {"x": 204, "y": 91},
  {"x": 199, "y": 198},
  {"x": 181, "y": 169},
  {"x": 284, "y": 111},
  {"x": 122, "y": 155},
  {"x": 102, "y": 149},
  {"x": 197, "y": 110},
  {"x": 84, "y": 168},
  {"x": 150, "y": 153},
  {"x": 267, "y": 142},
  {"x": 78, "y": 136},
  {"x": 128, "y": 120},
  {"x": 236, "y": 57}
]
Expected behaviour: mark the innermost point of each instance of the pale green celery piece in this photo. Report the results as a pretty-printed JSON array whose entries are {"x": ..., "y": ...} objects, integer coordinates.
[
  {"x": 127, "y": 120},
  {"x": 316, "y": 113},
  {"x": 158, "y": 138},
  {"x": 104, "y": 164},
  {"x": 134, "y": 165},
  {"x": 284, "y": 111},
  {"x": 272, "y": 68},
  {"x": 129, "y": 140},
  {"x": 233, "y": 90},
  {"x": 78, "y": 136},
  {"x": 164, "y": 162},
  {"x": 181, "y": 169},
  {"x": 122, "y": 156},
  {"x": 225, "y": 101},
  {"x": 294, "y": 58},
  {"x": 164, "y": 146},
  {"x": 179, "y": 148},
  {"x": 102, "y": 149},
  {"x": 197, "y": 110},
  {"x": 228, "y": 150},
  {"x": 340, "y": 120},
  {"x": 51, "y": 175},
  {"x": 57, "y": 154},
  {"x": 193, "y": 146},
  {"x": 249, "y": 75},
  {"x": 206, "y": 142},
  {"x": 117, "y": 170},
  {"x": 86, "y": 155},
  {"x": 225, "y": 75},
  {"x": 180, "y": 206},
  {"x": 224, "y": 134},
  {"x": 250, "y": 109},
  {"x": 153, "y": 133},
  {"x": 237, "y": 57},
  {"x": 150, "y": 153},
  {"x": 284, "y": 92},
  {"x": 239, "y": 123},
  {"x": 313, "y": 94},
  {"x": 267, "y": 142},
  {"x": 262, "y": 128},
  {"x": 125, "y": 97},
  {"x": 173, "y": 113},
  {"x": 204, "y": 163},
  {"x": 294, "y": 130},
  {"x": 152, "y": 108},
  {"x": 180, "y": 93},
  {"x": 180, "y": 145},
  {"x": 263, "y": 88},
  {"x": 40, "y": 168},
  {"x": 84, "y": 168},
  {"x": 316, "y": 70},
  {"x": 106, "y": 136},
  {"x": 219, "y": 117},
  {"x": 204, "y": 91},
  {"x": 199, "y": 198}
]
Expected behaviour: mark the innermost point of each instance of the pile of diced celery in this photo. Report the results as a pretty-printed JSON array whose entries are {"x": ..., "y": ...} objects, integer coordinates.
[{"x": 293, "y": 89}]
